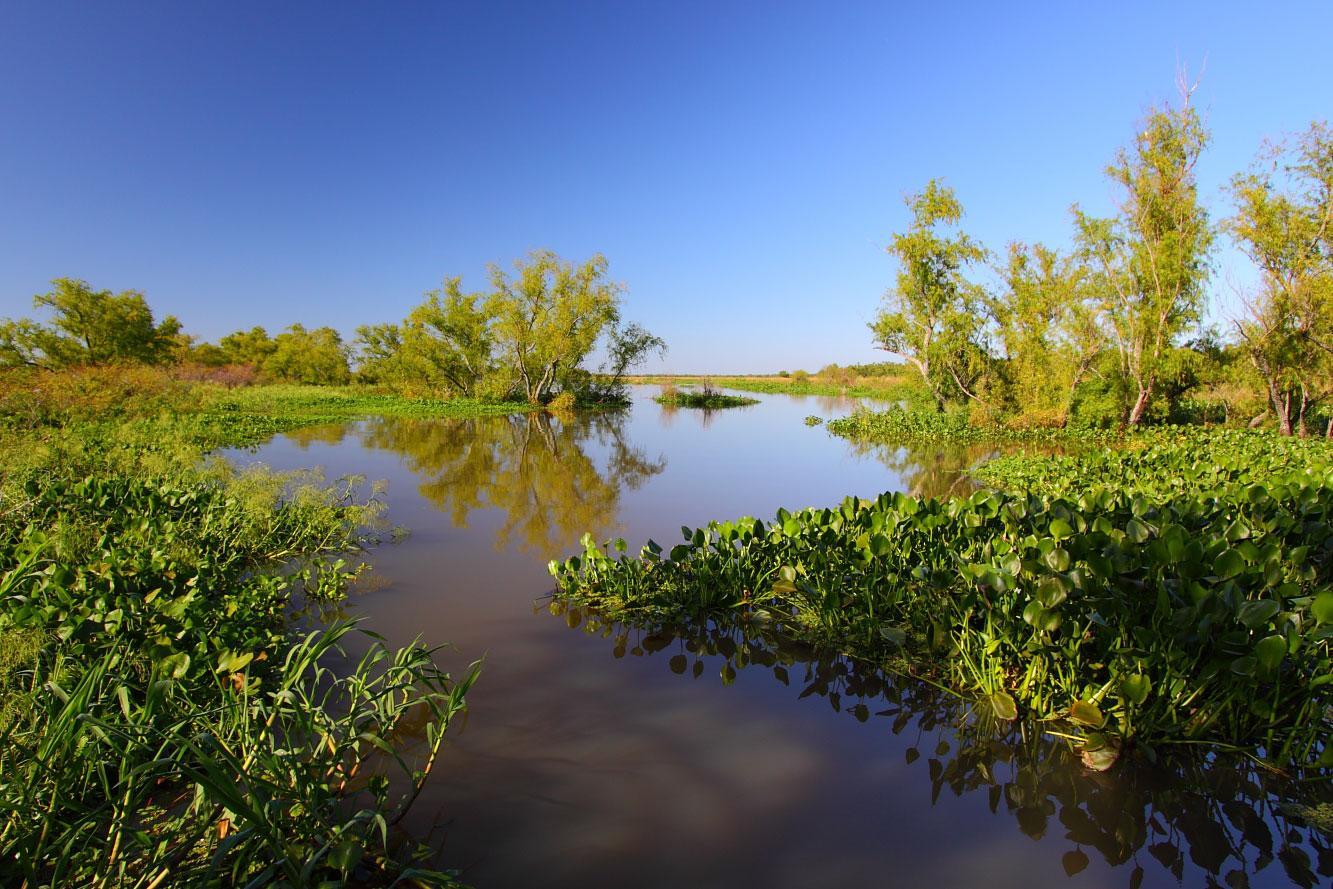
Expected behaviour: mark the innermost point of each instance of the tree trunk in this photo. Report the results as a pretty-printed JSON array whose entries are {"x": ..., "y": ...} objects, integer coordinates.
[
  {"x": 1283, "y": 408},
  {"x": 1140, "y": 406}
]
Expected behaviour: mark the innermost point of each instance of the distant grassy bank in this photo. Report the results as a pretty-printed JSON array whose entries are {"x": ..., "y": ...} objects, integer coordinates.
[{"x": 833, "y": 381}]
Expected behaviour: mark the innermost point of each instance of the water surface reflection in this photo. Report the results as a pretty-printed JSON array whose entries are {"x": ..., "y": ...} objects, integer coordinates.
[
  {"x": 1184, "y": 818},
  {"x": 582, "y": 764}
]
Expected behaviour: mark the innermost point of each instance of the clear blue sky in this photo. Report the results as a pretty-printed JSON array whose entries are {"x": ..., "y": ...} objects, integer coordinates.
[{"x": 741, "y": 164}]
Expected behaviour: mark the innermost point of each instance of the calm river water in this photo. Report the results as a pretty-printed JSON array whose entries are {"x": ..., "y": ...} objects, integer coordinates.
[{"x": 606, "y": 757}]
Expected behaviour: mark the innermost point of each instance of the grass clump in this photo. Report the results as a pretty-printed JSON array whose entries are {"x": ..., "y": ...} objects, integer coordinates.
[{"x": 1141, "y": 598}]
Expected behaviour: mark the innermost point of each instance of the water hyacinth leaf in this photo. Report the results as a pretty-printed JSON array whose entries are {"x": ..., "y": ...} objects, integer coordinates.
[
  {"x": 1003, "y": 706},
  {"x": 1051, "y": 591},
  {"x": 174, "y": 666},
  {"x": 1135, "y": 688},
  {"x": 1322, "y": 607},
  {"x": 1057, "y": 559},
  {"x": 1087, "y": 713},
  {"x": 1268, "y": 654},
  {"x": 1258, "y": 613},
  {"x": 1228, "y": 565},
  {"x": 1099, "y": 752},
  {"x": 1074, "y": 862},
  {"x": 1137, "y": 531},
  {"x": 1060, "y": 529},
  {"x": 894, "y": 636},
  {"x": 346, "y": 855}
]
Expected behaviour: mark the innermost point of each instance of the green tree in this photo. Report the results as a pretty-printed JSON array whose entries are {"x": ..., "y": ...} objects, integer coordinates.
[
  {"x": 252, "y": 347},
  {"x": 549, "y": 316},
  {"x": 627, "y": 347},
  {"x": 1047, "y": 328},
  {"x": 89, "y": 326},
  {"x": 1284, "y": 222},
  {"x": 930, "y": 318},
  {"x": 444, "y": 344},
  {"x": 1153, "y": 255},
  {"x": 316, "y": 356}
]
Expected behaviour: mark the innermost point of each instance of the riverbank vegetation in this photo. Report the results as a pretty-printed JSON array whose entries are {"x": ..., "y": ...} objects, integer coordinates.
[
  {"x": 883, "y": 381},
  {"x": 1108, "y": 333},
  {"x": 168, "y": 714},
  {"x": 529, "y": 338}
]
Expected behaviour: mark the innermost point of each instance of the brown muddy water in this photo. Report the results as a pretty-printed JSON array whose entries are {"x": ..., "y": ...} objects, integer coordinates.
[{"x": 711, "y": 755}]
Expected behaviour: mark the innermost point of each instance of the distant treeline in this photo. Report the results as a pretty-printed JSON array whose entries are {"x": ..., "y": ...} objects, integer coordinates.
[{"x": 529, "y": 336}]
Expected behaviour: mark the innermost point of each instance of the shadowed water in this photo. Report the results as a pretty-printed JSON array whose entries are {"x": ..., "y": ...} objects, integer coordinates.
[{"x": 723, "y": 755}]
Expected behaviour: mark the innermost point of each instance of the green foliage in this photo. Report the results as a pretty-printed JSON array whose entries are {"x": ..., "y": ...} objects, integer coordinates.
[
  {"x": 252, "y": 347},
  {"x": 898, "y": 425},
  {"x": 528, "y": 337},
  {"x": 1130, "y": 597},
  {"x": 316, "y": 357},
  {"x": 1046, "y": 325},
  {"x": 161, "y": 717},
  {"x": 88, "y": 327},
  {"x": 929, "y": 319},
  {"x": 707, "y": 399},
  {"x": 1284, "y": 221},
  {"x": 444, "y": 345},
  {"x": 549, "y": 315},
  {"x": 1152, "y": 258}
]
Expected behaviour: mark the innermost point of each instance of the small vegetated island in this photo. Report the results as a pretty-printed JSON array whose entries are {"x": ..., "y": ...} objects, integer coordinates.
[
  {"x": 1164, "y": 586},
  {"x": 705, "y": 397},
  {"x": 175, "y": 706}
]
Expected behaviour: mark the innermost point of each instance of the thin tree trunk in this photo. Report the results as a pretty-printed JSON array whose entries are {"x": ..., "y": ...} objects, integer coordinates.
[{"x": 1140, "y": 406}]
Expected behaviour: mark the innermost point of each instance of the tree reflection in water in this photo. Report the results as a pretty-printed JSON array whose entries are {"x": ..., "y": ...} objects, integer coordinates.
[
  {"x": 540, "y": 472},
  {"x": 1230, "y": 818}
]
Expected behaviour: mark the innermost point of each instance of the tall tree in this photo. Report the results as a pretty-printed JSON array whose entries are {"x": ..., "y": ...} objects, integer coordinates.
[
  {"x": 1284, "y": 222},
  {"x": 549, "y": 315},
  {"x": 448, "y": 338},
  {"x": 1047, "y": 328},
  {"x": 930, "y": 317},
  {"x": 1153, "y": 255},
  {"x": 89, "y": 326}
]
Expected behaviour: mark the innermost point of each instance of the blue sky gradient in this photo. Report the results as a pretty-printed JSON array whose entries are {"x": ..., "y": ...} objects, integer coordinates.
[{"x": 742, "y": 165}]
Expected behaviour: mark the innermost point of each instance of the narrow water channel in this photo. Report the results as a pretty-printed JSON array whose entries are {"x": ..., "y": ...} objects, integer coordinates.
[{"x": 721, "y": 756}]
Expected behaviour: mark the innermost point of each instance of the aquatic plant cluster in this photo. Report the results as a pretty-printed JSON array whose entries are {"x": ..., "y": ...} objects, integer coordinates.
[
  {"x": 899, "y": 425},
  {"x": 164, "y": 719},
  {"x": 1175, "y": 592},
  {"x": 708, "y": 399}
]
